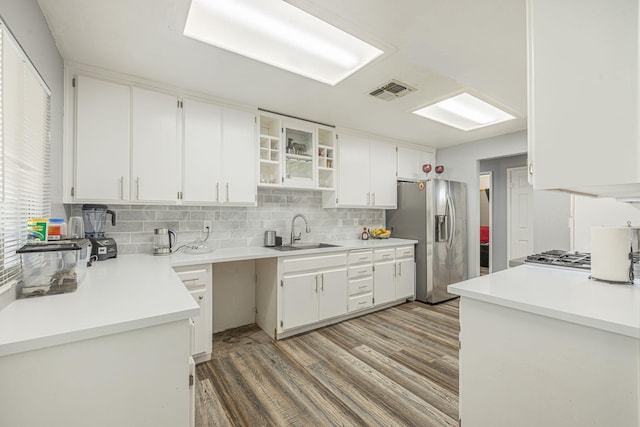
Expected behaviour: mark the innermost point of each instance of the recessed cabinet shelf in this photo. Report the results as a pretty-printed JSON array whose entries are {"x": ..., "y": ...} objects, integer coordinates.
[
  {"x": 270, "y": 150},
  {"x": 296, "y": 153}
]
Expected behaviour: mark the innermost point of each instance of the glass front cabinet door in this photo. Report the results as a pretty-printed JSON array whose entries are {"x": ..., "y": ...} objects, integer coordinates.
[{"x": 299, "y": 155}]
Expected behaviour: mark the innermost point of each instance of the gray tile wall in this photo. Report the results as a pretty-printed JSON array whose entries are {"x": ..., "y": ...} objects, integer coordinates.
[{"x": 239, "y": 226}]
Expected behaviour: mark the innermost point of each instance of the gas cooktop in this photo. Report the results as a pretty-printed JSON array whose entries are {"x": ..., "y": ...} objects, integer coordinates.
[{"x": 558, "y": 258}]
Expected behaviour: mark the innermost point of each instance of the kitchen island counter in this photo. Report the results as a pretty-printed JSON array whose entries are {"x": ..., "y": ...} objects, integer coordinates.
[
  {"x": 562, "y": 294},
  {"x": 547, "y": 346}
]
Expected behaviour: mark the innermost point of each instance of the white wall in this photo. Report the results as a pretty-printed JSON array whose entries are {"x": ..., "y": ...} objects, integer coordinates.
[
  {"x": 462, "y": 164},
  {"x": 27, "y": 24},
  {"x": 590, "y": 212}
]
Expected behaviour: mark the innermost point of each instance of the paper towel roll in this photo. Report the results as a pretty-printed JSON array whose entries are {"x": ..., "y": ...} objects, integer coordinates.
[{"x": 610, "y": 253}]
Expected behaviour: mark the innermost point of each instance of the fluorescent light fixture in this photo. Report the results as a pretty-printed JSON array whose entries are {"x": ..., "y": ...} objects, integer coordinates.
[
  {"x": 465, "y": 112},
  {"x": 279, "y": 34}
]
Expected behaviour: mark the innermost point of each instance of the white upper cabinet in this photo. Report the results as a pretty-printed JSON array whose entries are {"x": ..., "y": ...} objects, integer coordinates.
[
  {"x": 382, "y": 173},
  {"x": 353, "y": 171},
  {"x": 219, "y": 154},
  {"x": 156, "y": 150},
  {"x": 102, "y": 140},
  {"x": 135, "y": 145},
  {"x": 296, "y": 153},
  {"x": 410, "y": 163},
  {"x": 238, "y": 156},
  {"x": 202, "y": 147},
  {"x": 584, "y": 82},
  {"x": 366, "y": 174}
]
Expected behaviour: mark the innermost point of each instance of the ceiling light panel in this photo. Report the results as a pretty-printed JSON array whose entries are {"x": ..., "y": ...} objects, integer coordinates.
[
  {"x": 279, "y": 34},
  {"x": 465, "y": 112}
]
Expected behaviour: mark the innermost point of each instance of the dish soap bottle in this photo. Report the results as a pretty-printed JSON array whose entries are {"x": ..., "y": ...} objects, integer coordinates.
[{"x": 365, "y": 235}]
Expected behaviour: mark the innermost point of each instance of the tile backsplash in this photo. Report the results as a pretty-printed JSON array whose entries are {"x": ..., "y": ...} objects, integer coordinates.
[{"x": 239, "y": 226}]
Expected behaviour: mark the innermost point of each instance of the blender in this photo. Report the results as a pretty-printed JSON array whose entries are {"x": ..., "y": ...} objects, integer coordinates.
[{"x": 95, "y": 218}]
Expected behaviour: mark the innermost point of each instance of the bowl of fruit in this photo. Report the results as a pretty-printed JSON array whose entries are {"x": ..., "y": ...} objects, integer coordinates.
[{"x": 379, "y": 233}]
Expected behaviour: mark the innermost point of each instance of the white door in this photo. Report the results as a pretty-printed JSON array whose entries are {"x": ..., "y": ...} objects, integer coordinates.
[
  {"x": 202, "y": 148},
  {"x": 405, "y": 278},
  {"x": 156, "y": 152},
  {"x": 382, "y": 174},
  {"x": 201, "y": 330},
  {"x": 384, "y": 286},
  {"x": 299, "y": 300},
  {"x": 353, "y": 171},
  {"x": 103, "y": 119},
  {"x": 239, "y": 151},
  {"x": 333, "y": 293},
  {"x": 520, "y": 215}
]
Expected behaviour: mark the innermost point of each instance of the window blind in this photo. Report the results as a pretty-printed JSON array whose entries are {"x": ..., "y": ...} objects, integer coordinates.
[{"x": 25, "y": 152}]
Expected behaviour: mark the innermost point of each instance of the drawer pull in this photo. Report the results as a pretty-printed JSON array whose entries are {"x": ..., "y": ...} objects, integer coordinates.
[
  {"x": 200, "y": 297},
  {"x": 363, "y": 271},
  {"x": 386, "y": 255},
  {"x": 363, "y": 302},
  {"x": 364, "y": 258},
  {"x": 363, "y": 287}
]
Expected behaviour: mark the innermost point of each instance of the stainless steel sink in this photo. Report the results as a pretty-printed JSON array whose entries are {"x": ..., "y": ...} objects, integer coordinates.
[{"x": 300, "y": 246}]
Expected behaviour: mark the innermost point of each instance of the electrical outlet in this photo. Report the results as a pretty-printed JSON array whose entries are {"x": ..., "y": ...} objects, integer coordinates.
[
  {"x": 207, "y": 224},
  {"x": 355, "y": 222}
]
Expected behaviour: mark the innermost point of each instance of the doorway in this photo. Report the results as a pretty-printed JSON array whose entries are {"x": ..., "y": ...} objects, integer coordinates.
[
  {"x": 520, "y": 213},
  {"x": 485, "y": 223}
]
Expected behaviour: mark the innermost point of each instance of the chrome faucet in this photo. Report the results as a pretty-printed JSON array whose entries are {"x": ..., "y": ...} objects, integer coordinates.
[{"x": 295, "y": 238}]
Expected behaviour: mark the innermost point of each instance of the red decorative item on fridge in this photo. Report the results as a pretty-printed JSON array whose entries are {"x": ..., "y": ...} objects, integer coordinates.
[
  {"x": 426, "y": 168},
  {"x": 439, "y": 169}
]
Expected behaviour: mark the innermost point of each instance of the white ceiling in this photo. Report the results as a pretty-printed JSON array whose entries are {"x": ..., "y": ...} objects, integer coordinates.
[{"x": 439, "y": 47}]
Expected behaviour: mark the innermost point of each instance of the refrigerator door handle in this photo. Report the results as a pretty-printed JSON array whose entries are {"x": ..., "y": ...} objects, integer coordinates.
[{"x": 452, "y": 214}]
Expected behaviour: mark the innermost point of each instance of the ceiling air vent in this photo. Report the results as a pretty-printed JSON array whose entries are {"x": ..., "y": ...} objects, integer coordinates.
[{"x": 391, "y": 90}]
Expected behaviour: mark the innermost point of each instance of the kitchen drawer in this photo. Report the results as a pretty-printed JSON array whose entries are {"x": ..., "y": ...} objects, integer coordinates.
[
  {"x": 360, "y": 302},
  {"x": 405, "y": 252},
  {"x": 194, "y": 276},
  {"x": 314, "y": 263},
  {"x": 360, "y": 286},
  {"x": 360, "y": 257},
  {"x": 359, "y": 271},
  {"x": 384, "y": 254}
]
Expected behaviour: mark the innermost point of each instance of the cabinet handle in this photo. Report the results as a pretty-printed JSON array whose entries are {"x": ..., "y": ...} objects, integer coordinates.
[
  {"x": 138, "y": 188},
  {"x": 363, "y": 258},
  {"x": 363, "y": 287},
  {"x": 386, "y": 255},
  {"x": 217, "y": 191},
  {"x": 373, "y": 198},
  {"x": 362, "y": 271},
  {"x": 322, "y": 282},
  {"x": 316, "y": 283},
  {"x": 363, "y": 302},
  {"x": 200, "y": 297},
  {"x": 368, "y": 198},
  {"x": 395, "y": 270},
  {"x": 227, "y": 191},
  {"x": 122, "y": 188},
  {"x": 399, "y": 269}
]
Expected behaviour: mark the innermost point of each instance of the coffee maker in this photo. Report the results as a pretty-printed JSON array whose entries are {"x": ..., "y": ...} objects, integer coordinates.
[{"x": 95, "y": 218}]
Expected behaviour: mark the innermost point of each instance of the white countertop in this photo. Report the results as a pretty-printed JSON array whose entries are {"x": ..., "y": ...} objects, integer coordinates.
[
  {"x": 561, "y": 294},
  {"x": 257, "y": 252},
  {"x": 126, "y": 293}
]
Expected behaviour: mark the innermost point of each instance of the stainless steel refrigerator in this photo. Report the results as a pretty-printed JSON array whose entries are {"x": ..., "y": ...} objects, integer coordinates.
[{"x": 434, "y": 213}]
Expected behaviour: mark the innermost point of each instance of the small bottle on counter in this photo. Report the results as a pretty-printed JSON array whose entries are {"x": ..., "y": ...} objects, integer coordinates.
[{"x": 365, "y": 235}]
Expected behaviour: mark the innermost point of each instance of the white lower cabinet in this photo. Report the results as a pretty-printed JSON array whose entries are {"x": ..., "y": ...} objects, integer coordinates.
[
  {"x": 360, "y": 280},
  {"x": 198, "y": 280},
  {"x": 296, "y": 294},
  {"x": 405, "y": 272},
  {"x": 138, "y": 377},
  {"x": 394, "y": 274},
  {"x": 312, "y": 289}
]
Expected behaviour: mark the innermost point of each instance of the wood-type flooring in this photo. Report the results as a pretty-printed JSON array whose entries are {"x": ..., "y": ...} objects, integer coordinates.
[{"x": 395, "y": 367}]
